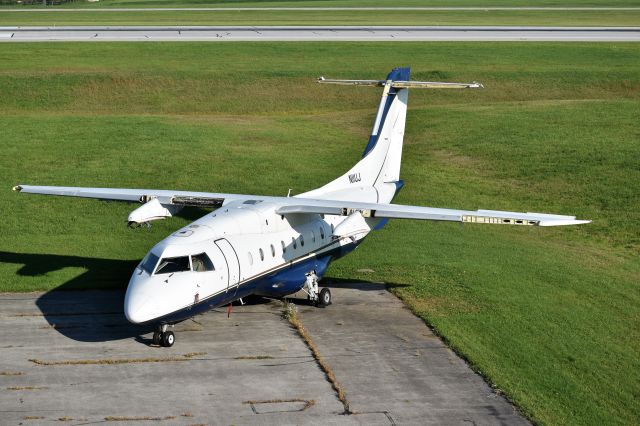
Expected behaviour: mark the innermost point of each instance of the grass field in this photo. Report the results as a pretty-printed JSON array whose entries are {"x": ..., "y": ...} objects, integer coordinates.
[
  {"x": 105, "y": 4},
  {"x": 550, "y": 316},
  {"x": 324, "y": 17}
]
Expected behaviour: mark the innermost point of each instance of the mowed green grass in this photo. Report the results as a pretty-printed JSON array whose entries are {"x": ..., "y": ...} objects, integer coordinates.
[
  {"x": 551, "y": 316},
  {"x": 325, "y": 17},
  {"x": 105, "y": 4}
]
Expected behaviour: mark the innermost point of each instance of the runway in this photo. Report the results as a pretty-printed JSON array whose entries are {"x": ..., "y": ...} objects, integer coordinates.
[
  {"x": 320, "y": 33},
  {"x": 72, "y": 357}
]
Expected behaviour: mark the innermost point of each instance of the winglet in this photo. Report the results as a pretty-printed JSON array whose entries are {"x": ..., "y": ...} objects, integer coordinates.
[{"x": 17, "y": 188}]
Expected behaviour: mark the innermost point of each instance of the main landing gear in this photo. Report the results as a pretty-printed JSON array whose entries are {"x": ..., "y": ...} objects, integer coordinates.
[
  {"x": 320, "y": 298},
  {"x": 163, "y": 337}
]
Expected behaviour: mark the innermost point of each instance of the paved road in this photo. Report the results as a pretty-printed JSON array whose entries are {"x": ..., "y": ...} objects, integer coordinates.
[
  {"x": 72, "y": 356},
  {"x": 324, "y": 33}
]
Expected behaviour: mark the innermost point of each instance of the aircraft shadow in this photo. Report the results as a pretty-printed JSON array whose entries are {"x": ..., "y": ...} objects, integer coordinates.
[
  {"x": 92, "y": 313},
  {"x": 89, "y": 307},
  {"x": 363, "y": 285}
]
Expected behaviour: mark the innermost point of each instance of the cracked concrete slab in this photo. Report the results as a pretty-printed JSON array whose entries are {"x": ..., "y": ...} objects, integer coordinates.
[{"x": 251, "y": 368}]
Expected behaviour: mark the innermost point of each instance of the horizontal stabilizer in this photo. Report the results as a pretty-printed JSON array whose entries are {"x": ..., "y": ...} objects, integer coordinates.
[{"x": 403, "y": 84}]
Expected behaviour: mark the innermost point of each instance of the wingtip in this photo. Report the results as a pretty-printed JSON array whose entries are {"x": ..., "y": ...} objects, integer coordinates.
[
  {"x": 563, "y": 222},
  {"x": 17, "y": 188}
]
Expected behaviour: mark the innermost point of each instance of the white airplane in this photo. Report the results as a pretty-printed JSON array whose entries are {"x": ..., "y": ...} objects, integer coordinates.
[{"x": 276, "y": 246}]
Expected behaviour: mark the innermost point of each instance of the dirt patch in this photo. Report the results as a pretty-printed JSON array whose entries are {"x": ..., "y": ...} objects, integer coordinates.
[
  {"x": 254, "y": 357},
  {"x": 136, "y": 418},
  {"x": 114, "y": 361},
  {"x": 21, "y": 388},
  {"x": 11, "y": 373}
]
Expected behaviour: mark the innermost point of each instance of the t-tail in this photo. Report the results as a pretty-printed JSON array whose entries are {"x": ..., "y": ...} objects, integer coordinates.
[{"x": 376, "y": 177}]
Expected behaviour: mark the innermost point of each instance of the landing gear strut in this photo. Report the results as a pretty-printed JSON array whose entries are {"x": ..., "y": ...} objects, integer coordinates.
[
  {"x": 162, "y": 337},
  {"x": 320, "y": 298}
]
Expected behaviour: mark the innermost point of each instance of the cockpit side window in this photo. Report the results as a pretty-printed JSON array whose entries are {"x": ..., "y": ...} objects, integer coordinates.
[
  {"x": 149, "y": 262},
  {"x": 202, "y": 263},
  {"x": 170, "y": 265}
]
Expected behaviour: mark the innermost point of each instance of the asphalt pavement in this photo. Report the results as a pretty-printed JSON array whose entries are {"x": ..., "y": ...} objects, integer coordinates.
[{"x": 72, "y": 357}]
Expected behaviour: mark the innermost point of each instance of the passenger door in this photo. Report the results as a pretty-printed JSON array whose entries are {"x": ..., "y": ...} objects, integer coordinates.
[{"x": 233, "y": 264}]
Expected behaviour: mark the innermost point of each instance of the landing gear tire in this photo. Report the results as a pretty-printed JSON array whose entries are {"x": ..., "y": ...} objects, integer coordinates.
[
  {"x": 157, "y": 338},
  {"x": 168, "y": 339},
  {"x": 324, "y": 298}
]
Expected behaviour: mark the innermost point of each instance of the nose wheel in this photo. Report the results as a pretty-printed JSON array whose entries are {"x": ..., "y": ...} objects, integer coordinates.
[{"x": 163, "y": 337}]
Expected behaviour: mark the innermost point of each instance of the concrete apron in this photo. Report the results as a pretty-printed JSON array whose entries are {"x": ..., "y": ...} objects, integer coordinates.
[{"x": 72, "y": 356}]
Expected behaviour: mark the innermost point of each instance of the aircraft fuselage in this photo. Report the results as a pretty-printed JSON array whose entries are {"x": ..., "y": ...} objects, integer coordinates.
[{"x": 251, "y": 249}]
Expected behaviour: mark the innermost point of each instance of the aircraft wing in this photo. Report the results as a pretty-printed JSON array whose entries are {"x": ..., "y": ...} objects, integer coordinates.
[
  {"x": 164, "y": 196},
  {"x": 295, "y": 205},
  {"x": 398, "y": 211}
]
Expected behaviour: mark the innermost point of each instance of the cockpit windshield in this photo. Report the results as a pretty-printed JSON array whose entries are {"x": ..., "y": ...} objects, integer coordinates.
[
  {"x": 202, "y": 263},
  {"x": 149, "y": 262},
  {"x": 170, "y": 265}
]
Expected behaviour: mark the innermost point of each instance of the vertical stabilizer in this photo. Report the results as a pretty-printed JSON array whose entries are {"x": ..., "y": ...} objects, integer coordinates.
[{"x": 376, "y": 177}]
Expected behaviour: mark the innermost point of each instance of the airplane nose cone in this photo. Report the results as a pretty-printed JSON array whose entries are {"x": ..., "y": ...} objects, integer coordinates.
[
  {"x": 134, "y": 310},
  {"x": 137, "y": 307}
]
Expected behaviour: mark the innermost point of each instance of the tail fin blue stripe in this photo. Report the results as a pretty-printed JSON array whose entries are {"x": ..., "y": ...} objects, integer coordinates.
[{"x": 396, "y": 74}]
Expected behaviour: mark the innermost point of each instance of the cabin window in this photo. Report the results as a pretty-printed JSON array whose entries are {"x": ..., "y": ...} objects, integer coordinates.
[
  {"x": 169, "y": 265},
  {"x": 273, "y": 251},
  {"x": 313, "y": 237},
  {"x": 322, "y": 232},
  {"x": 250, "y": 258},
  {"x": 301, "y": 240},
  {"x": 284, "y": 248},
  {"x": 294, "y": 242},
  {"x": 202, "y": 263},
  {"x": 149, "y": 262},
  {"x": 261, "y": 254}
]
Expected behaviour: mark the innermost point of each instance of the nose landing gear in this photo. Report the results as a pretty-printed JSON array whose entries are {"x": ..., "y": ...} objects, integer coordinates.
[{"x": 163, "y": 337}]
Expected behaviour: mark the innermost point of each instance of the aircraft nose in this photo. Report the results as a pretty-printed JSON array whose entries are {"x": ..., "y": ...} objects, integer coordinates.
[
  {"x": 137, "y": 307},
  {"x": 134, "y": 310}
]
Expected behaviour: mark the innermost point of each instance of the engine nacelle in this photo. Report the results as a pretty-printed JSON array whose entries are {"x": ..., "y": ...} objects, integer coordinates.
[
  {"x": 151, "y": 210},
  {"x": 354, "y": 226}
]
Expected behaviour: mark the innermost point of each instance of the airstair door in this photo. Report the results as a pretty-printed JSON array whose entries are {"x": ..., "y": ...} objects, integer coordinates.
[{"x": 233, "y": 264}]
